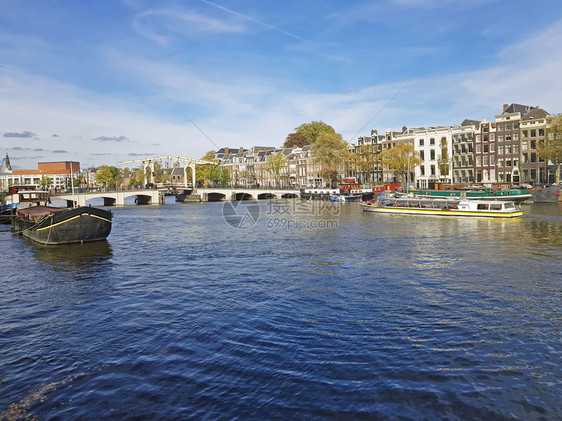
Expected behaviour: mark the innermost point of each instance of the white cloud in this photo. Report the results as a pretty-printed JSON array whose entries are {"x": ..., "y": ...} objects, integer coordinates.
[
  {"x": 164, "y": 24},
  {"x": 252, "y": 109}
]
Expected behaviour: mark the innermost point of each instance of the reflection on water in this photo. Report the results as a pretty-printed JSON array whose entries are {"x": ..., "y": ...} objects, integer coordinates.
[
  {"x": 178, "y": 315},
  {"x": 73, "y": 256}
]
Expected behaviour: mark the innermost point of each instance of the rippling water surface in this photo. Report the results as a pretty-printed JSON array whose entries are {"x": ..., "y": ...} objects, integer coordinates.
[{"x": 308, "y": 313}]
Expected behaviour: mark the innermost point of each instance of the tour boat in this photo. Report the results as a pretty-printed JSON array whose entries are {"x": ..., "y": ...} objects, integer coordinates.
[
  {"x": 511, "y": 195},
  {"x": 50, "y": 225},
  {"x": 443, "y": 207}
]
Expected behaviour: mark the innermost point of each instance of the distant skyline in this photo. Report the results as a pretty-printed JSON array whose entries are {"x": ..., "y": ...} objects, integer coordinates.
[{"x": 107, "y": 81}]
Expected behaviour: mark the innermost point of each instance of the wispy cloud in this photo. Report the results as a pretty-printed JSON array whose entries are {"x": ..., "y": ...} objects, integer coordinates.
[
  {"x": 111, "y": 138},
  {"x": 21, "y": 135},
  {"x": 162, "y": 25}
]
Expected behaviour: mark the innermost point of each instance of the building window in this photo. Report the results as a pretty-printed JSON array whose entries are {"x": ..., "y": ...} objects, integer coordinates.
[
  {"x": 485, "y": 129},
  {"x": 485, "y": 148},
  {"x": 478, "y": 161},
  {"x": 432, "y": 141},
  {"x": 421, "y": 142},
  {"x": 422, "y": 155},
  {"x": 515, "y": 136},
  {"x": 422, "y": 170},
  {"x": 492, "y": 160},
  {"x": 478, "y": 149},
  {"x": 433, "y": 170},
  {"x": 533, "y": 133},
  {"x": 541, "y": 132},
  {"x": 525, "y": 133},
  {"x": 492, "y": 147},
  {"x": 432, "y": 154},
  {"x": 478, "y": 138},
  {"x": 500, "y": 138}
]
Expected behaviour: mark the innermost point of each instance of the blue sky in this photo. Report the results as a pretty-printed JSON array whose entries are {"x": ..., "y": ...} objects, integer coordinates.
[{"x": 106, "y": 81}]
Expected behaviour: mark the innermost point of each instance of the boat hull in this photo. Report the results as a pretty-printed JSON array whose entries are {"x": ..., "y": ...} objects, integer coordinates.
[
  {"x": 83, "y": 224},
  {"x": 442, "y": 212},
  {"x": 547, "y": 195}
]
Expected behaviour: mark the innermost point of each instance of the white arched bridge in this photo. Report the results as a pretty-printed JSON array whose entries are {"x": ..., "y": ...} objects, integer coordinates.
[
  {"x": 112, "y": 198},
  {"x": 155, "y": 197}
]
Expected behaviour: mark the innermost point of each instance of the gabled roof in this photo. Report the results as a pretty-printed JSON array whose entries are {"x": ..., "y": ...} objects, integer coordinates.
[
  {"x": 534, "y": 114},
  {"x": 517, "y": 108},
  {"x": 468, "y": 122}
]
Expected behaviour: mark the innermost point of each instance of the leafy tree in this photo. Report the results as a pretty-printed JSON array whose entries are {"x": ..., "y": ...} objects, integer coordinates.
[
  {"x": 443, "y": 163},
  {"x": 364, "y": 161},
  {"x": 551, "y": 148},
  {"x": 400, "y": 158},
  {"x": 45, "y": 181},
  {"x": 210, "y": 156},
  {"x": 312, "y": 131},
  {"x": 295, "y": 140},
  {"x": 108, "y": 176},
  {"x": 275, "y": 162},
  {"x": 330, "y": 151}
]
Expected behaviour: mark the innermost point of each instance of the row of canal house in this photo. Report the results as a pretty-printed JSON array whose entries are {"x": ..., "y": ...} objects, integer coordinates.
[
  {"x": 251, "y": 167},
  {"x": 477, "y": 152},
  {"x": 502, "y": 152}
]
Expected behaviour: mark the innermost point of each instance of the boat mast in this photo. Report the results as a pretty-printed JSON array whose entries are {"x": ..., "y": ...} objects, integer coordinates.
[{"x": 72, "y": 186}]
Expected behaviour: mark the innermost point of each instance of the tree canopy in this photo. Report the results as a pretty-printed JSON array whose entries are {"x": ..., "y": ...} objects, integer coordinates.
[
  {"x": 551, "y": 148},
  {"x": 312, "y": 131},
  {"x": 295, "y": 140},
  {"x": 275, "y": 162},
  {"x": 330, "y": 150},
  {"x": 108, "y": 176},
  {"x": 401, "y": 158}
]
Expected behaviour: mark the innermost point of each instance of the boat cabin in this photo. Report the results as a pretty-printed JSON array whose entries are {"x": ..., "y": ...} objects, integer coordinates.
[{"x": 33, "y": 196}]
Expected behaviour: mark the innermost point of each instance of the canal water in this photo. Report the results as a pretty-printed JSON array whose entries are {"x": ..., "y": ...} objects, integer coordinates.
[{"x": 286, "y": 309}]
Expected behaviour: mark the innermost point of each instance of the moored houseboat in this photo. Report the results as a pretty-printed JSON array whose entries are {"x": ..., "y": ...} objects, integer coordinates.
[{"x": 39, "y": 221}]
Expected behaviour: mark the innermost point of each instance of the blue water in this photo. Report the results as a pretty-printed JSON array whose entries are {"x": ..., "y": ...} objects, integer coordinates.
[{"x": 305, "y": 313}]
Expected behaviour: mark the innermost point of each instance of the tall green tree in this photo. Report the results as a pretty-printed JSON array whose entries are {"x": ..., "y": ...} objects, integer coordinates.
[
  {"x": 274, "y": 164},
  {"x": 295, "y": 140},
  {"x": 312, "y": 131},
  {"x": 444, "y": 163},
  {"x": 365, "y": 161},
  {"x": 330, "y": 151},
  {"x": 45, "y": 181},
  {"x": 551, "y": 148},
  {"x": 109, "y": 176},
  {"x": 400, "y": 159}
]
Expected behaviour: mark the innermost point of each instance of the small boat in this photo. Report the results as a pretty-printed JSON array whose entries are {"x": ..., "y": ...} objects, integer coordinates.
[
  {"x": 345, "y": 198},
  {"x": 349, "y": 187},
  {"x": 39, "y": 221},
  {"x": 443, "y": 207}
]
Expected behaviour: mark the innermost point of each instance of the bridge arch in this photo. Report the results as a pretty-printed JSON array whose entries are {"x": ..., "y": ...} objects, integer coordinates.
[
  {"x": 243, "y": 196},
  {"x": 215, "y": 197},
  {"x": 142, "y": 199},
  {"x": 290, "y": 196},
  {"x": 267, "y": 195}
]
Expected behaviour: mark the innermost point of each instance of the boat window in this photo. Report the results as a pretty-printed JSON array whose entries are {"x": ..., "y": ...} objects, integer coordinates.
[
  {"x": 482, "y": 206},
  {"x": 496, "y": 206}
]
